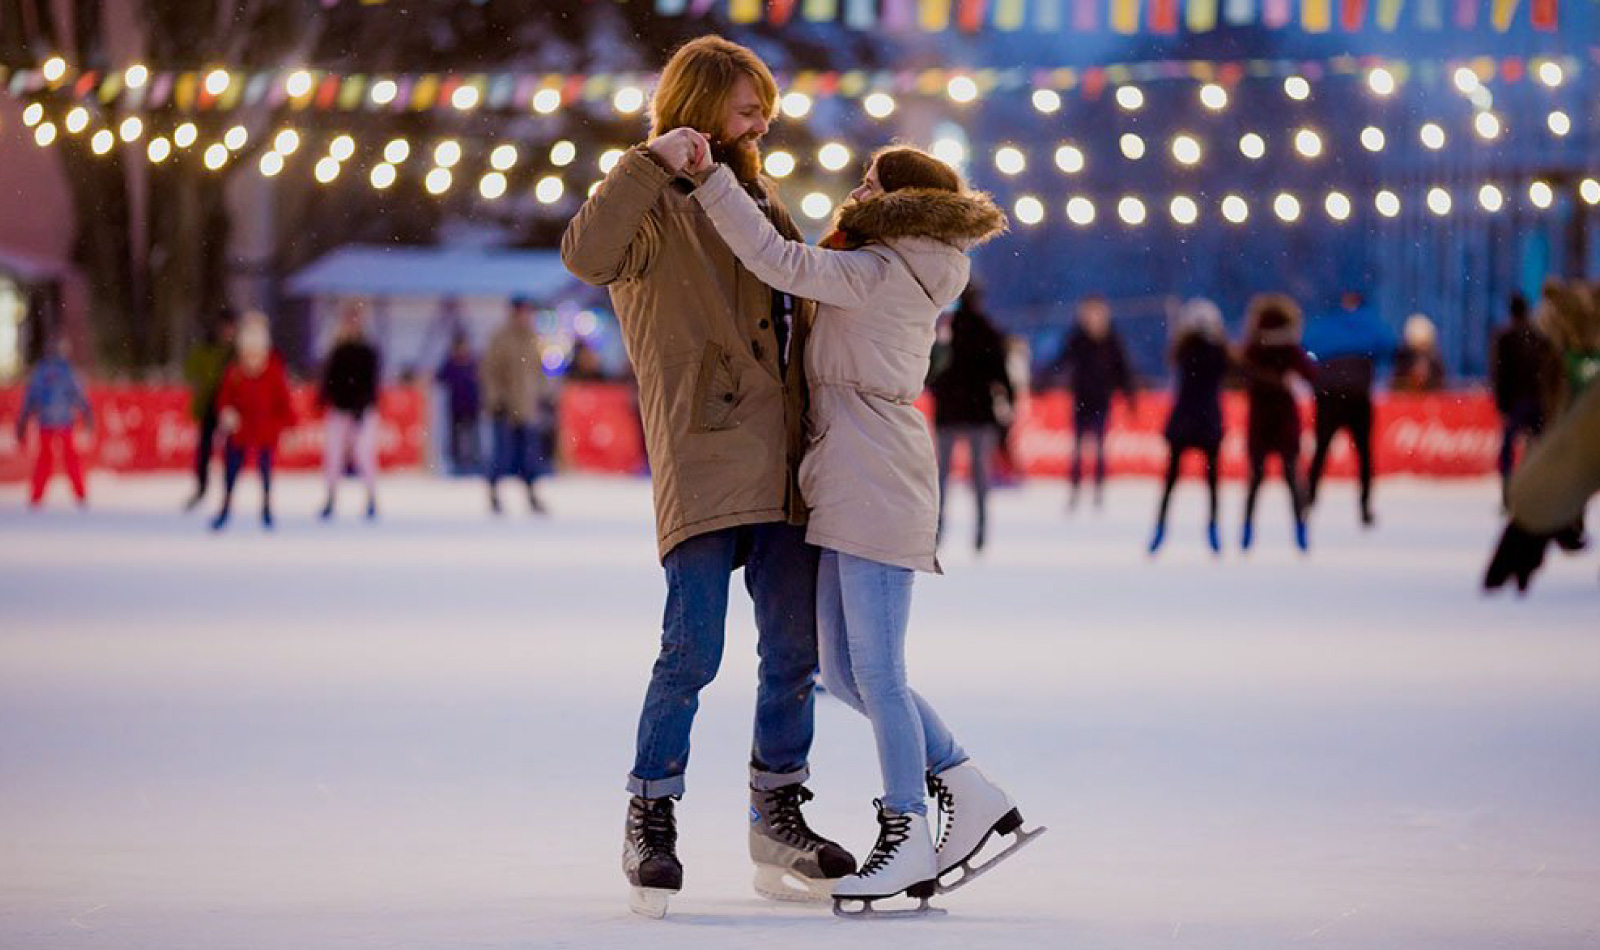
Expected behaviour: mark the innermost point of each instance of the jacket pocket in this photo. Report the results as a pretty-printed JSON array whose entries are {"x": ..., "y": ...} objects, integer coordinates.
[{"x": 716, "y": 394}]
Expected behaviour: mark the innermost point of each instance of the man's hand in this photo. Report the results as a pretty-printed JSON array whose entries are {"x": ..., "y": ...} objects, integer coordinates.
[
  {"x": 681, "y": 151},
  {"x": 1519, "y": 554}
]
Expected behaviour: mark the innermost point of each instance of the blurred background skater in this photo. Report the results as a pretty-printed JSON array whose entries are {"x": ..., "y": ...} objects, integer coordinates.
[
  {"x": 1200, "y": 363},
  {"x": 349, "y": 398},
  {"x": 253, "y": 409},
  {"x": 203, "y": 369},
  {"x": 1522, "y": 374},
  {"x": 971, "y": 394},
  {"x": 1417, "y": 366},
  {"x": 1095, "y": 365},
  {"x": 1346, "y": 346},
  {"x": 459, "y": 377},
  {"x": 55, "y": 399},
  {"x": 1272, "y": 355},
  {"x": 515, "y": 388}
]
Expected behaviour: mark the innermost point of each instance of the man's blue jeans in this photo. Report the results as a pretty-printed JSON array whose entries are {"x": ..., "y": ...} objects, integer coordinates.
[
  {"x": 780, "y": 572},
  {"x": 863, "y": 607}
]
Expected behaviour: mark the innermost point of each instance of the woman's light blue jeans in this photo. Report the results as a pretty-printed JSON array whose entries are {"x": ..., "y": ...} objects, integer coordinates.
[{"x": 863, "y": 607}]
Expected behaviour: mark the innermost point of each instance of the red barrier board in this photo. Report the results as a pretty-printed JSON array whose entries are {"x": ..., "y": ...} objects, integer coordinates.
[{"x": 149, "y": 429}]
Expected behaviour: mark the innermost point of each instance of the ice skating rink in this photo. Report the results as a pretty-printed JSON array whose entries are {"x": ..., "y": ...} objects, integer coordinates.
[{"x": 414, "y": 734}]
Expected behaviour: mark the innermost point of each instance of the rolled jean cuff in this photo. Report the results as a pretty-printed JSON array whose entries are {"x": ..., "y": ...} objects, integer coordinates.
[
  {"x": 656, "y": 787},
  {"x": 763, "y": 781}
]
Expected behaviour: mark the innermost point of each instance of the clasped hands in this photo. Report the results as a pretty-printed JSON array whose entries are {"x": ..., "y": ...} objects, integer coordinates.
[{"x": 683, "y": 151}]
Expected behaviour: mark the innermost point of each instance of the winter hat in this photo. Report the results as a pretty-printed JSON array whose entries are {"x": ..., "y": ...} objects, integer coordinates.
[
  {"x": 1200, "y": 316},
  {"x": 1419, "y": 331}
]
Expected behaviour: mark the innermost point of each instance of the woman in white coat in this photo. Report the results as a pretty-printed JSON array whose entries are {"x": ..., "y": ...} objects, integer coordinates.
[{"x": 896, "y": 259}]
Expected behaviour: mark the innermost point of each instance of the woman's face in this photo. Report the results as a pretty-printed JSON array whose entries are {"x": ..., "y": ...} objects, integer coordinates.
[{"x": 869, "y": 187}]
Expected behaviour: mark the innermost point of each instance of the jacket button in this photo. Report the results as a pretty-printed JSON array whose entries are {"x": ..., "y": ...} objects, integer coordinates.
[
  {"x": 727, "y": 397},
  {"x": 764, "y": 324}
]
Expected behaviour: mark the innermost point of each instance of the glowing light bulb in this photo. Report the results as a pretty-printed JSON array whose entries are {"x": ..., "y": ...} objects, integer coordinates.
[
  {"x": 1235, "y": 209},
  {"x": 1213, "y": 97},
  {"x": 1130, "y": 98},
  {"x": 1184, "y": 210},
  {"x": 879, "y": 105},
  {"x": 1080, "y": 211},
  {"x": 833, "y": 156},
  {"x": 1029, "y": 210},
  {"x": 816, "y": 205},
  {"x": 1131, "y": 210},
  {"x": 1010, "y": 161},
  {"x": 1047, "y": 101},
  {"x": 1069, "y": 158}
]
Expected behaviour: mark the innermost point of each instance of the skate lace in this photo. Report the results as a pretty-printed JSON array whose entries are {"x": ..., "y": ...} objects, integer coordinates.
[
  {"x": 939, "y": 791},
  {"x": 785, "y": 818},
  {"x": 893, "y": 830},
  {"x": 658, "y": 834}
]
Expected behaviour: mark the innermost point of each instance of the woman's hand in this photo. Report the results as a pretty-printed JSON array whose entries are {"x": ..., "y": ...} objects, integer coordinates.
[
  {"x": 681, "y": 151},
  {"x": 228, "y": 420}
]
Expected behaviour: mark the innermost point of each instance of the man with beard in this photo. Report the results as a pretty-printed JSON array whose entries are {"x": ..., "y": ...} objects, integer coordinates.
[{"x": 722, "y": 397}]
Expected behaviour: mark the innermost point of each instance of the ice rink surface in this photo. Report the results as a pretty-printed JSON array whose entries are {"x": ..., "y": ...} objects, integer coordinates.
[{"x": 413, "y": 734}]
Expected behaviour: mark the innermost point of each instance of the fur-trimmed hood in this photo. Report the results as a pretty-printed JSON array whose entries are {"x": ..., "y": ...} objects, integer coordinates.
[
  {"x": 930, "y": 230},
  {"x": 964, "y": 220}
]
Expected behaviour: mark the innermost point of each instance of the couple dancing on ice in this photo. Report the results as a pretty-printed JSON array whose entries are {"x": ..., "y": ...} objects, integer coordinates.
[{"x": 776, "y": 387}]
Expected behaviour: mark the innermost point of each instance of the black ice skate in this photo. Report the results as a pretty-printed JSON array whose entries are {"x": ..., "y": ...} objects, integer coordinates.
[
  {"x": 972, "y": 810},
  {"x": 649, "y": 855},
  {"x": 903, "y": 862},
  {"x": 793, "y": 863}
]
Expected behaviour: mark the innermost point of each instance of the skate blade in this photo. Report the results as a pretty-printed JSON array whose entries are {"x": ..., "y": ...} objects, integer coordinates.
[
  {"x": 786, "y": 884},
  {"x": 649, "y": 901},
  {"x": 863, "y": 908},
  {"x": 969, "y": 873}
]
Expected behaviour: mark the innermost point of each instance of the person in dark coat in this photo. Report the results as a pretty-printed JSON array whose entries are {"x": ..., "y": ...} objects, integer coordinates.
[
  {"x": 1095, "y": 364},
  {"x": 1272, "y": 355},
  {"x": 1522, "y": 362},
  {"x": 203, "y": 369},
  {"x": 1200, "y": 362},
  {"x": 1346, "y": 346},
  {"x": 1417, "y": 367},
  {"x": 965, "y": 392},
  {"x": 459, "y": 376},
  {"x": 349, "y": 398}
]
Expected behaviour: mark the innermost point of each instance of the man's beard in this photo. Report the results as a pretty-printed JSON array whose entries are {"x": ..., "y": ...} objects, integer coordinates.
[{"x": 743, "y": 156}]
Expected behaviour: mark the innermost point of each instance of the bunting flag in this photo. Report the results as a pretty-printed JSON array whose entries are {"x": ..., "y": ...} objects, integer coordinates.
[
  {"x": 1125, "y": 16},
  {"x": 779, "y": 12},
  {"x": 1009, "y": 15},
  {"x": 1160, "y": 17},
  {"x": 933, "y": 16},
  {"x": 899, "y": 14},
  {"x": 1239, "y": 12},
  {"x": 1047, "y": 16},
  {"x": 1200, "y": 16},
  {"x": 1163, "y": 16}
]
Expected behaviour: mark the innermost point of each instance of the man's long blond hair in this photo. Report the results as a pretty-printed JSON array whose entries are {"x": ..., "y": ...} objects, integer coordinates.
[{"x": 698, "y": 80}]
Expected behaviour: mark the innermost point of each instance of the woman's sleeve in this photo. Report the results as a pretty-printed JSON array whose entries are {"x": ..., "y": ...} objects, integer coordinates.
[{"x": 841, "y": 278}]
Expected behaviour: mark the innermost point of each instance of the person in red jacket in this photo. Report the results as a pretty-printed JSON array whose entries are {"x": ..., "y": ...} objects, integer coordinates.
[{"x": 253, "y": 409}]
